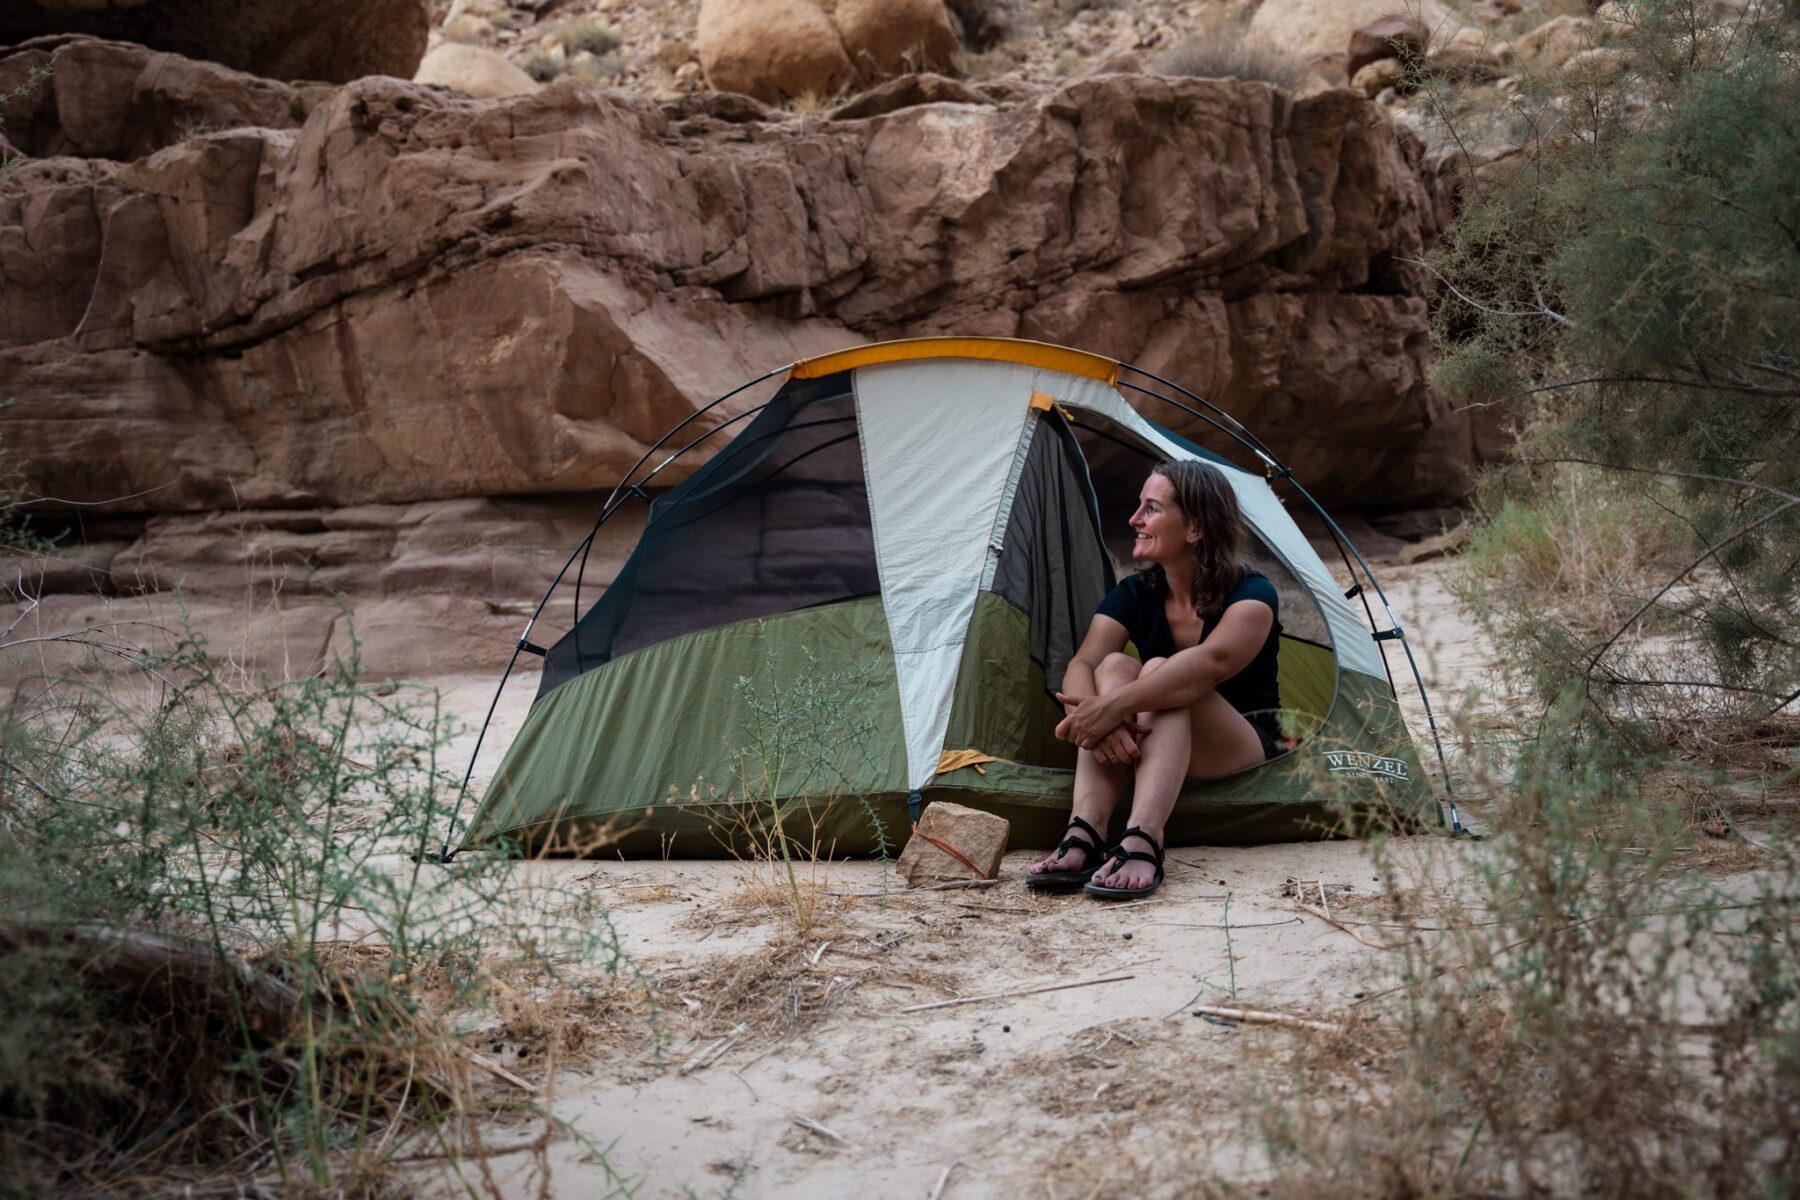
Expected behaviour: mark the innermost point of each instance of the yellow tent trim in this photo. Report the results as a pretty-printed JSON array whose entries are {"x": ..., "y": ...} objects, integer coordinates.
[
  {"x": 956, "y": 760},
  {"x": 1031, "y": 354}
]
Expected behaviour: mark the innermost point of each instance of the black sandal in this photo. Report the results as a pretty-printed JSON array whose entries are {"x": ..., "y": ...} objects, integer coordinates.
[
  {"x": 1092, "y": 856},
  {"x": 1118, "y": 855}
]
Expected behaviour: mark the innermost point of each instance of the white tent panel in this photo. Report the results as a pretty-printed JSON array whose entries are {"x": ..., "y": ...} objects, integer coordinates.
[
  {"x": 1351, "y": 640},
  {"x": 939, "y": 439}
]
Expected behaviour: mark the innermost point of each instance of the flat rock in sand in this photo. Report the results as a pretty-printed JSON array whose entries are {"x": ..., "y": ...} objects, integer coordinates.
[{"x": 980, "y": 837}]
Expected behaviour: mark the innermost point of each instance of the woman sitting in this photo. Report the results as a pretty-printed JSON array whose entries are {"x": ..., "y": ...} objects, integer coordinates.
[{"x": 1203, "y": 701}]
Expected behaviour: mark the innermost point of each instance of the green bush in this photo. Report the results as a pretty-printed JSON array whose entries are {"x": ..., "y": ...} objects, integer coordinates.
[
  {"x": 1625, "y": 283},
  {"x": 272, "y": 841}
]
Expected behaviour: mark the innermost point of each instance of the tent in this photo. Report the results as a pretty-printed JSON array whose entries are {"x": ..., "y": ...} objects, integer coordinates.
[{"x": 864, "y": 600}]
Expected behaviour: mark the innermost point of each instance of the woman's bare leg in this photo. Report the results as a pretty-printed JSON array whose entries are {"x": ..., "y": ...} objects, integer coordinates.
[
  {"x": 1098, "y": 785},
  {"x": 1209, "y": 737}
]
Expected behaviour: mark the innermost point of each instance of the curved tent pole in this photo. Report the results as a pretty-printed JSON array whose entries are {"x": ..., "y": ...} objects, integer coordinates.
[
  {"x": 1394, "y": 632},
  {"x": 1242, "y": 433},
  {"x": 613, "y": 504}
]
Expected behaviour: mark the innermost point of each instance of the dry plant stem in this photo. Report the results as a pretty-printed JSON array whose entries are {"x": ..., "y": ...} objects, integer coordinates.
[
  {"x": 810, "y": 1124},
  {"x": 497, "y": 1071},
  {"x": 929, "y": 887},
  {"x": 943, "y": 1179},
  {"x": 714, "y": 1050},
  {"x": 1334, "y": 922},
  {"x": 1251, "y": 1016},
  {"x": 1054, "y": 987}
]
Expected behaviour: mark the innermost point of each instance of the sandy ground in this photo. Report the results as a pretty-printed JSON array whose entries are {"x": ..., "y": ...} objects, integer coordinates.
[
  {"x": 783, "y": 1065},
  {"x": 776, "y": 1063}
]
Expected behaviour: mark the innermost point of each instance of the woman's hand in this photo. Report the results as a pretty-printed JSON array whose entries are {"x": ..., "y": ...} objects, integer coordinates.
[{"x": 1096, "y": 723}]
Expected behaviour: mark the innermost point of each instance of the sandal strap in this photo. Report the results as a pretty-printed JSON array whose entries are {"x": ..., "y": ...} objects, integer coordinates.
[
  {"x": 1120, "y": 855},
  {"x": 1089, "y": 849},
  {"x": 1156, "y": 849}
]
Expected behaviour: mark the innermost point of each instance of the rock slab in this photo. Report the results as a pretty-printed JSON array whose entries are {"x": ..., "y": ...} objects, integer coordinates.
[{"x": 978, "y": 836}]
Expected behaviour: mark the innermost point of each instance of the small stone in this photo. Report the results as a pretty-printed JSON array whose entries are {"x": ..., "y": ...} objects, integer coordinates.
[
  {"x": 468, "y": 27},
  {"x": 1379, "y": 76},
  {"x": 1006, "y": 1029},
  {"x": 1127, "y": 937},
  {"x": 978, "y": 836}
]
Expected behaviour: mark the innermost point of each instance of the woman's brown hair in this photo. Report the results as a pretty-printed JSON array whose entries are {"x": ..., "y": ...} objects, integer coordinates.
[{"x": 1205, "y": 496}]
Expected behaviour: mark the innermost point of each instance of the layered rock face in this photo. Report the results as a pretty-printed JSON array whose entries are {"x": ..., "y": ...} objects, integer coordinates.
[
  {"x": 300, "y": 340},
  {"x": 219, "y": 291}
]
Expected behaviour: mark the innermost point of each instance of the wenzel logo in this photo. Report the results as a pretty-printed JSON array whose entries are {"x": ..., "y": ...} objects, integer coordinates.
[{"x": 1355, "y": 762}]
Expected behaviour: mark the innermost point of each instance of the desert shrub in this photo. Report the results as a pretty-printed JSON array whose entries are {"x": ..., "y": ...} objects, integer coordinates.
[
  {"x": 543, "y": 65},
  {"x": 1578, "y": 1014},
  {"x": 1622, "y": 283},
  {"x": 222, "y": 940},
  {"x": 1218, "y": 51},
  {"x": 34, "y": 78},
  {"x": 588, "y": 37}
]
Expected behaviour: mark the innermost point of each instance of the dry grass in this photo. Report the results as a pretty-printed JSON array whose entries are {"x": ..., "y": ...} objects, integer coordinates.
[
  {"x": 1218, "y": 51},
  {"x": 789, "y": 987}
]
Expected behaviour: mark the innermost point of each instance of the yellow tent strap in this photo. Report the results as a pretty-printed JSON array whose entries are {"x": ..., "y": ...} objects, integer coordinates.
[{"x": 956, "y": 760}]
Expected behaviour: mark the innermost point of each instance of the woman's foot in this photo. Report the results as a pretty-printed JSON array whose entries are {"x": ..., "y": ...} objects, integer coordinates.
[
  {"x": 1138, "y": 869},
  {"x": 1074, "y": 860}
]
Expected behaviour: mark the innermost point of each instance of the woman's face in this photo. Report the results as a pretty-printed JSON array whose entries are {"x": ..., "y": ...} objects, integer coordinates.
[{"x": 1164, "y": 534}]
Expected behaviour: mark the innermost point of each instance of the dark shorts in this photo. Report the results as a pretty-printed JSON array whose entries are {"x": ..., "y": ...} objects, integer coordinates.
[{"x": 1272, "y": 742}]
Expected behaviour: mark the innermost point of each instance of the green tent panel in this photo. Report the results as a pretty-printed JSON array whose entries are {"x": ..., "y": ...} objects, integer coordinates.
[{"x": 660, "y": 752}]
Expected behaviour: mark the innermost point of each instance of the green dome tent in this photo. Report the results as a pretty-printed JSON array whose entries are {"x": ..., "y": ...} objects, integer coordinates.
[{"x": 917, "y": 525}]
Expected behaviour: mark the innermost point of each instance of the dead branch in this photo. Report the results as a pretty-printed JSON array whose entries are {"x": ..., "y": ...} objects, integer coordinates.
[
  {"x": 1251, "y": 1016},
  {"x": 174, "y": 974}
]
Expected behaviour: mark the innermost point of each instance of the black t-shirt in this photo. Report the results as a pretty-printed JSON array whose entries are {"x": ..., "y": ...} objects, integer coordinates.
[{"x": 1253, "y": 691}]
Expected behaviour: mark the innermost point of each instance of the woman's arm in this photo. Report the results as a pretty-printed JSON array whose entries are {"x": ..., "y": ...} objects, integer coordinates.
[
  {"x": 1187, "y": 676},
  {"x": 1104, "y": 636}
]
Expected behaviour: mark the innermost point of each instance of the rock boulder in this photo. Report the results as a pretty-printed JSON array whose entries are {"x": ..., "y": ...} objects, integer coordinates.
[
  {"x": 1320, "y": 30},
  {"x": 778, "y": 50}
]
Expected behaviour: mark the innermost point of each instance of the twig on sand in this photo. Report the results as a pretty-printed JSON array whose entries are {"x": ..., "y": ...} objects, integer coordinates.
[
  {"x": 1230, "y": 925},
  {"x": 943, "y": 1179},
  {"x": 536, "y": 1143},
  {"x": 497, "y": 1071},
  {"x": 714, "y": 1051},
  {"x": 1251, "y": 1016},
  {"x": 1188, "y": 1001},
  {"x": 929, "y": 887},
  {"x": 815, "y": 1127},
  {"x": 818, "y": 954},
  {"x": 1333, "y": 921},
  {"x": 1052, "y": 987}
]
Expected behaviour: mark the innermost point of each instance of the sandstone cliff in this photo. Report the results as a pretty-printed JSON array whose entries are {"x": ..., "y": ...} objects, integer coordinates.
[{"x": 382, "y": 306}]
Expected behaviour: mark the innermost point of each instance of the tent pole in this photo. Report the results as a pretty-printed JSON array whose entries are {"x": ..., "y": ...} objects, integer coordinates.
[{"x": 1398, "y": 634}]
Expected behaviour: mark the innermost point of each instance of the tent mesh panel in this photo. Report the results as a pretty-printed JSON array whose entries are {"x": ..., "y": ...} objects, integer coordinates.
[
  {"x": 778, "y": 520},
  {"x": 1053, "y": 565}
]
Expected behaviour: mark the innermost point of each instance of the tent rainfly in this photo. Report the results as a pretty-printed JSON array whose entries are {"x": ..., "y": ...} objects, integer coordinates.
[{"x": 864, "y": 601}]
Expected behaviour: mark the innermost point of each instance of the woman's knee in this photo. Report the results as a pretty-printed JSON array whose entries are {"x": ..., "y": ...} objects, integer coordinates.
[{"x": 1115, "y": 671}]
